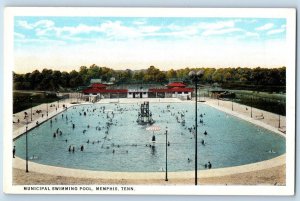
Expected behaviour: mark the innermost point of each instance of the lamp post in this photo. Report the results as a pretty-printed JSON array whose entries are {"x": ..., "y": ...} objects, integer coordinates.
[
  {"x": 279, "y": 115},
  {"x": 47, "y": 108},
  {"x": 196, "y": 78},
  {"x": 26, "y": 145},
  {"x": 251, "y": 106},
  {"x": 31, "y": 110},
  {"x": 166, "y": 179}
]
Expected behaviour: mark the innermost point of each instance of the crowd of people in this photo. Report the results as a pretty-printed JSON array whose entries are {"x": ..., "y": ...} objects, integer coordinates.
[{"x": 77, "y": 115}]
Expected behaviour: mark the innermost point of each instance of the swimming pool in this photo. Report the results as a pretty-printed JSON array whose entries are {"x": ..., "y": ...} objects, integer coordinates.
[{"x": 113, "y": 141}]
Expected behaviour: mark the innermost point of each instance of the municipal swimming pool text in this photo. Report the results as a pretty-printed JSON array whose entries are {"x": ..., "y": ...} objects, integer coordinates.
[{"x": 76, "y": 188}]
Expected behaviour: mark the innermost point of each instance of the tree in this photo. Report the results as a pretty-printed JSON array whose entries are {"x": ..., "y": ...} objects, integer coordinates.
[{"x": 171, "y": 74}]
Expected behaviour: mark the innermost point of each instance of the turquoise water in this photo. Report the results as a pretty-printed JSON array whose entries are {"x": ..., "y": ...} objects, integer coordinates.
[{"x": 125, "y": 146}]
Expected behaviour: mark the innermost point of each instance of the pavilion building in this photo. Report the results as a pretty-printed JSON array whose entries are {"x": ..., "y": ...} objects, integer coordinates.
[
  {"x": 98, "y": 91},
  {"x": 173, "y": 90}
]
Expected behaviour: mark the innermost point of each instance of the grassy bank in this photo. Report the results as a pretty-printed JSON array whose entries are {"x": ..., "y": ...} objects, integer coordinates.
[
  {"x": 23, "y": 100},
  {"x": 272, "y": 102}
]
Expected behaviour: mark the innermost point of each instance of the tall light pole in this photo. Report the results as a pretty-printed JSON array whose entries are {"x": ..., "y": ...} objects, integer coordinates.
[
  {"x": 26, "y": 145},
  {"x": 47, "y": 108},
  {"x": 166, "y": 179},
  {"x": 251, "y": 106},
  {"x": 279, "y": 115},
  {"x": 196, "y": 78},
  {"x": 31, "y": 110}
]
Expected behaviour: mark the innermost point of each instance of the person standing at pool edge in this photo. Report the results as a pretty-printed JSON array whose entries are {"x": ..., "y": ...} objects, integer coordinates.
[{"x": 14, "y": 151}]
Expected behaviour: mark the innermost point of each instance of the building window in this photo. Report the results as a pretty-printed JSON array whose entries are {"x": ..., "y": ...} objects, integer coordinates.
[
  {"x": 130, "y": 93},
  {"x": 186, "y": 92},
  {"x": 144, "y": 93}
]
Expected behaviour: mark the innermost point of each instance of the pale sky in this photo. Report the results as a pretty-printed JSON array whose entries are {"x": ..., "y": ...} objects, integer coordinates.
[{"x": 66, "y": 43}]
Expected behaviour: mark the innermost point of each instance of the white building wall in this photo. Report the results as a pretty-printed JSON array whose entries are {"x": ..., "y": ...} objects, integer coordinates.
[
  {"x": 136, "y": 93},
  {"x": 129, "y": 95},
  {"x": 145, "y": 95},
  {"x": 181, "y": 94}
]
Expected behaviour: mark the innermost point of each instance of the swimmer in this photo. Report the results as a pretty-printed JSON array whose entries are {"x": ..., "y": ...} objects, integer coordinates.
[
  {"x": 209, "y": 165},
  {"x": 33, "y": 157},
  {"x": 271, "y": 151}
]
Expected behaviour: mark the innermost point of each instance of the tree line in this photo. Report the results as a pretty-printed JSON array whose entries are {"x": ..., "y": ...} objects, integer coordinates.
[{"x": 54, "y": 80}]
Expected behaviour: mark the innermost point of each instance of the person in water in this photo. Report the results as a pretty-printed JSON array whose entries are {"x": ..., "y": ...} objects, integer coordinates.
[{"x": 209, "y": 165}]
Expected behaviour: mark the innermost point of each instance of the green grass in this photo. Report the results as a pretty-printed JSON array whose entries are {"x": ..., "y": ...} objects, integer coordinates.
[
  {"x": 23, "y": 100},
  {"x": 272, "y": 102}
]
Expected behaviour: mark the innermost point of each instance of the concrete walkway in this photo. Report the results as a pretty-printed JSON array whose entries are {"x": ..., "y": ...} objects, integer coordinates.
[
  {"x": 269, "y": 121},
  {"x": 68, "y": 172}
]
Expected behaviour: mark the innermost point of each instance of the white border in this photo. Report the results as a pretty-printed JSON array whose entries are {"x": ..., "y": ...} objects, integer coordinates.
[{"x": 288, "y": 14}]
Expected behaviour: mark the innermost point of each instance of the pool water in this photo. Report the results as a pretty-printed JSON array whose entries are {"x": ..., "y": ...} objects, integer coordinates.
[{"x": 113, "y": 141}]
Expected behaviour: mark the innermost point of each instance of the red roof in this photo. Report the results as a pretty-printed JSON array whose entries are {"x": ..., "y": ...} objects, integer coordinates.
[
  {"x": 97, "y": 90},
  {"x": 174, "y": 89},
  {"x": 98, "y": 85},
  {"x": 179, "y": 89},
  {"x": 176, "y": 84},
  {"x": 159, "y": 90}
]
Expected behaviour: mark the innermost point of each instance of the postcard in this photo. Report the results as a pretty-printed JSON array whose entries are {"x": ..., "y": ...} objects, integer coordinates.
[{"x": 167, "y": 101}]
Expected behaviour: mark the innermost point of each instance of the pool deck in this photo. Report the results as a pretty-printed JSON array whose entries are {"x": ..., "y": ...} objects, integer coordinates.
[
  {"x": 270, "y": 122},
  {"x": 107, "y": 175}
]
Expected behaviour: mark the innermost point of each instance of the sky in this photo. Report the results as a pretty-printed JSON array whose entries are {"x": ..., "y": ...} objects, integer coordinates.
[{"x": 66, "y": 43}]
